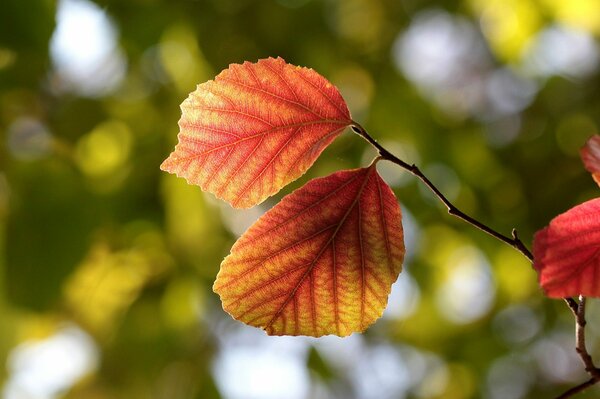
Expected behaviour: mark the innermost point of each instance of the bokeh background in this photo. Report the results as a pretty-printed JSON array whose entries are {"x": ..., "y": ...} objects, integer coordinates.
[{"x": 107, "y": 263}]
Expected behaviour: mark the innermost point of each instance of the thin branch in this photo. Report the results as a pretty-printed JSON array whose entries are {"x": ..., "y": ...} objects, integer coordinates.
[
  {"x": 581, "y": 349},
  {"x": 578, "y": 309},
  {"x": 573, "y": 305},
  {"x": 513, "y": 241},
  {"x": 577, "y": 389}
]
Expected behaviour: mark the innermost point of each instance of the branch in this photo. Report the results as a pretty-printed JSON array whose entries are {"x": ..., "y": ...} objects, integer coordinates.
[
  {"x": 514, "y": 242},
  {"x": 586, "y": 358},
  {"x": 577, "y": 389},
  {"x": 578, "y": 309}
]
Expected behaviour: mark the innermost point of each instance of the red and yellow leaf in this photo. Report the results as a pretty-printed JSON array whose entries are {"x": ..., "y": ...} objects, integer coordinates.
[
  {"x": 322, "y": 261},
  {"x": 590, "y": 154},
  {"x": 567, "y": 252},
  {"x": 254, "y": 129}
]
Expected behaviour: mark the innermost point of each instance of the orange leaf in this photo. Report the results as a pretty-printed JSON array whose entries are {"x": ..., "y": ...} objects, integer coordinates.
[
  {"x": 590, "y": 154},
  {"x": 254, "y": 129},
  {"x": 322, "y": 261},
  {"x": 567, "y": 252}
]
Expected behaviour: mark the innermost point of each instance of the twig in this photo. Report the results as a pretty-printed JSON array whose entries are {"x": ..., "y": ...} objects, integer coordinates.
[
  {"x": 514, "y": 242},
  {"x": 578, "y": 309},
  {"x": 573, "y": 305},
  {"x": 581, "y": 349},
  {"x": 577, "y": 389}
]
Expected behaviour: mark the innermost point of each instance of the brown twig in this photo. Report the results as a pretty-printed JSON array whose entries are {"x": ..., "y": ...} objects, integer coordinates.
[
  {"x": 581, "y": 349},
  {"x": 577, "y": 308},
  {"x": 577, "y": 389},
  {"x": 514, "y": 242}
]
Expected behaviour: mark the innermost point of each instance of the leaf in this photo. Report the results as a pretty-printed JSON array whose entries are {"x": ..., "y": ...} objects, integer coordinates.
[
  {"x": 567, "y": 252},
  {"x": 590, "y": 154},
  {"x": 322, "y": 261},
  {"x": 254, "y": 129}
]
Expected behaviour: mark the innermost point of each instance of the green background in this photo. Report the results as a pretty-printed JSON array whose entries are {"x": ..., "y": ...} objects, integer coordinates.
[{"x": 98, "y": 247}]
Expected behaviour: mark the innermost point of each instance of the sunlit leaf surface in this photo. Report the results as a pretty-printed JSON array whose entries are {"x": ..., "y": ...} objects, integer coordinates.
[
  {"x": 255, "y": 128},
  {"x": 567, "y": 252},
  {"x": 320, "y": 262}
]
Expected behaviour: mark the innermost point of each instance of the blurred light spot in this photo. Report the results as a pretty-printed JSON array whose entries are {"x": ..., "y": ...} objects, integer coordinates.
[
  {"x": 412, "y": 235},
  {"x": 559, "y": 50},
  {"x": 378, "y": 371},
  {"x": 434, "y": 382},
  {"x": 381, "y": 373},
  {"x": 384, "y": 371},
  {"x": 432, "y": 49},
  {"x": 359, "y": 21},
  {"x": 191, "y": 218},
  {"x": 517, "y": 324},
  {"x": 509, "y": 25},
  {"x": 421, "y": 366},
  {"x": 573, "y": 131},
  {"x": 556, "y": 359},
  {"x": 342, "y": 353},
  {"x": 502, "y": 130},
  {"x": 152, "y": 66},
  {"x": 7, "y": 57},
  {"x": 28, "y": 139},
  {"x": 182, "y": 303},
  {"x": 104, "y": 150},
  {"x": 237, "y": 221},
  {"x": 105, "y": 284},
  {"x": 182, "y": 58},
  {"x": 84, "y": 49},
  {"x": 515, "y": 278},
  {"x": 446, "y": 58},
  {"x": 507, "y": 378},
  {"x": 251, "y": 365},
  {"x": 46, "y": 369},
  {"x": 469, "y": 292},
  {"x": 404, "y": 298},
  {"x": 134, "y": 90},
  {"x": 356, "y": 86},
  {"x": 508, "y": 92}
]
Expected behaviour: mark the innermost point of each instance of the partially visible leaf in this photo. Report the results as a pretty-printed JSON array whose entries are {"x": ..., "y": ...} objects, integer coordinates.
[
  {"x": 590, "y": 154},
  {"x": 322, "y": 261},
  {"x": 567, "y": 252},
  {"x": 255, "y": 128}
]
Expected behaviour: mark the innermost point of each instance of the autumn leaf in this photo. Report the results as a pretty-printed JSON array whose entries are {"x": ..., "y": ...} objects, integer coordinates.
[
  {"x": 255, "y": 128},
  {"x": 590, "y": 154},
  {"x": 567, "y": 252},
  {"x": 322, "y": 261}
]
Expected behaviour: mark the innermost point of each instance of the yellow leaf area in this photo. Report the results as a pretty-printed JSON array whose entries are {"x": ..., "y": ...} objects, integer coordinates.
[
  {"x": 320, "y": 262},
  {"x": 254, "y": 129}
]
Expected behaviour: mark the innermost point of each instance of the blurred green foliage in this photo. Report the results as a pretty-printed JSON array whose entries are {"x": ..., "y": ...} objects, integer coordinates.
[{"x": 93, "y": 235}]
